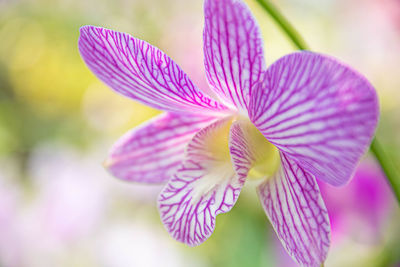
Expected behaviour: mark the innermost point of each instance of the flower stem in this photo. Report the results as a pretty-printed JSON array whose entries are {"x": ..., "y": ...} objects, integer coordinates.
[
  {"x": 386, "y": 164},
  {"x": 285, "y": 25}
]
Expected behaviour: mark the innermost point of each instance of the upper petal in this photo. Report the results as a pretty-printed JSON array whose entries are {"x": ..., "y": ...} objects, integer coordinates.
[
  {"x": 293, "y": 204},
  {"x": 204, "y": 186},
  {"x": 320, "y": 112},
  {"x": 233, "y": 50},
  {"x": 152, "y": 152},
  {"x": 142, "y": 72}
]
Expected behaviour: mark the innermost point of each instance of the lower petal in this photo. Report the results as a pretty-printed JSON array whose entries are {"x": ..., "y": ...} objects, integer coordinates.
[
  {"x": 151, "y": 153},
  {"x": 204, "y": 186},
  {"x": 293, "y": 204}
]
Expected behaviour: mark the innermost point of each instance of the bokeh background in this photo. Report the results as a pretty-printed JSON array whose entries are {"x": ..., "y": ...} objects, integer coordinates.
[{"x": 59, "y": 207}]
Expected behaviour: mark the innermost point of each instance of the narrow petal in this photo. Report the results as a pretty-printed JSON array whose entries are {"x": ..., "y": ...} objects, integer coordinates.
[
  {"x": 204, "y": 186},
  {"x": 233, "y": 50},
  {"x": 320, "y": 112},
  {"x": 152, "y": 152},
  {"x": 140, "y": 71},
  {"x": 293, "y": 204}
]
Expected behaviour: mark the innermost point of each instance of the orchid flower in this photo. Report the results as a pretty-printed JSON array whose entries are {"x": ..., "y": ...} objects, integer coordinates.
[{"x": 305, "y": 117}]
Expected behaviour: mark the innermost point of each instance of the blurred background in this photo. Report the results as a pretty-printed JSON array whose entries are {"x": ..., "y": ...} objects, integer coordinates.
[{"x": 59, "y": 207}]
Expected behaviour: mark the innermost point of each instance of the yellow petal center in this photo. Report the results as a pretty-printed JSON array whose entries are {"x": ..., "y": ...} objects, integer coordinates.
[
  {"x": 266, "y": 155},
  {"x": 215, "y": 150}
]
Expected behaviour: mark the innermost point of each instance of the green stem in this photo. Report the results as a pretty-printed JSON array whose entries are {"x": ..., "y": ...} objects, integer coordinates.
[
  {"x": 386, "y": 164},
  {"x": 285, "y": 25}
]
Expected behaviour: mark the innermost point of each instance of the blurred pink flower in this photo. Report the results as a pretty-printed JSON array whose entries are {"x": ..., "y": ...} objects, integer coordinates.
[
  {"x": 65, "y": 218},
  {"x": 361, "y": 207},
  {"x": 137, "y": 243},
  {"x": 66, "y": 202},
  {"x": 70, "y": 202}
]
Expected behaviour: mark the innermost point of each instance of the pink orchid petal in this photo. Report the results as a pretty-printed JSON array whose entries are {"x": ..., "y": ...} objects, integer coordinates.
[
  {"x": 142, "y": 72},
  {"x": 152, "y": 152},
  {"x": 320, "y": 112},
  {"x": 233, "y": 50},
  {"x": 204, "y": 186},
  {"x": 293, "y": 204}
]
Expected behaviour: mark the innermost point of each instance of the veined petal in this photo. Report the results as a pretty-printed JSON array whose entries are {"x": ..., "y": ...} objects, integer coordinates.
[
  {"x": 204, "y": 186},
  {"x": 233, "y": 50},
  {"x": 141, "y": 71},
  {"x": 293, "y": 204},
  {"x": 320, "y": 112},
  {"x": 152, "y": 152}
]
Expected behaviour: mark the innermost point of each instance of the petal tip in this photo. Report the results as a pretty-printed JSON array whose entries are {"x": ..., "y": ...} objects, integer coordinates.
[{"x": 83, "y": 30}]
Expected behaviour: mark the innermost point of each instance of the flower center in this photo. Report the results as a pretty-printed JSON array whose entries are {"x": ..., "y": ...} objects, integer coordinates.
[
  {"x": 214, "y": 149},
  {"x": 266, "y": 155}
]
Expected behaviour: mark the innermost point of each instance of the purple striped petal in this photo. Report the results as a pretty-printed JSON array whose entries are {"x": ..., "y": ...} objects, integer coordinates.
[
  {"x": 152, "y": 152},
  {"x": 320, "y": 112},
  {"x": 242, "y": 155},
  {"x": 233, "y": 50},
  {"x": 293, "y": 204},
  {"x": 204, "y": 186},
  {"x": 142, "y": 72}
]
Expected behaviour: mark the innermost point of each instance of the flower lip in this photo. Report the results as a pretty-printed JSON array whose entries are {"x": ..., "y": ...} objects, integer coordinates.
[{"x": 204, "y": 186}]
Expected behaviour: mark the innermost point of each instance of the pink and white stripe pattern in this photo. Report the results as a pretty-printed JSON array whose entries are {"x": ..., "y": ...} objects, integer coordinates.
[
  {"x": 204, "y": 186},
  {"x": 319, "y": 113},
  {"x": 141, "y": 71},
  {"x": 152, "y": 152},
  {"x": 294, "y": 192},
  {"x": 234, "y": 60}
]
